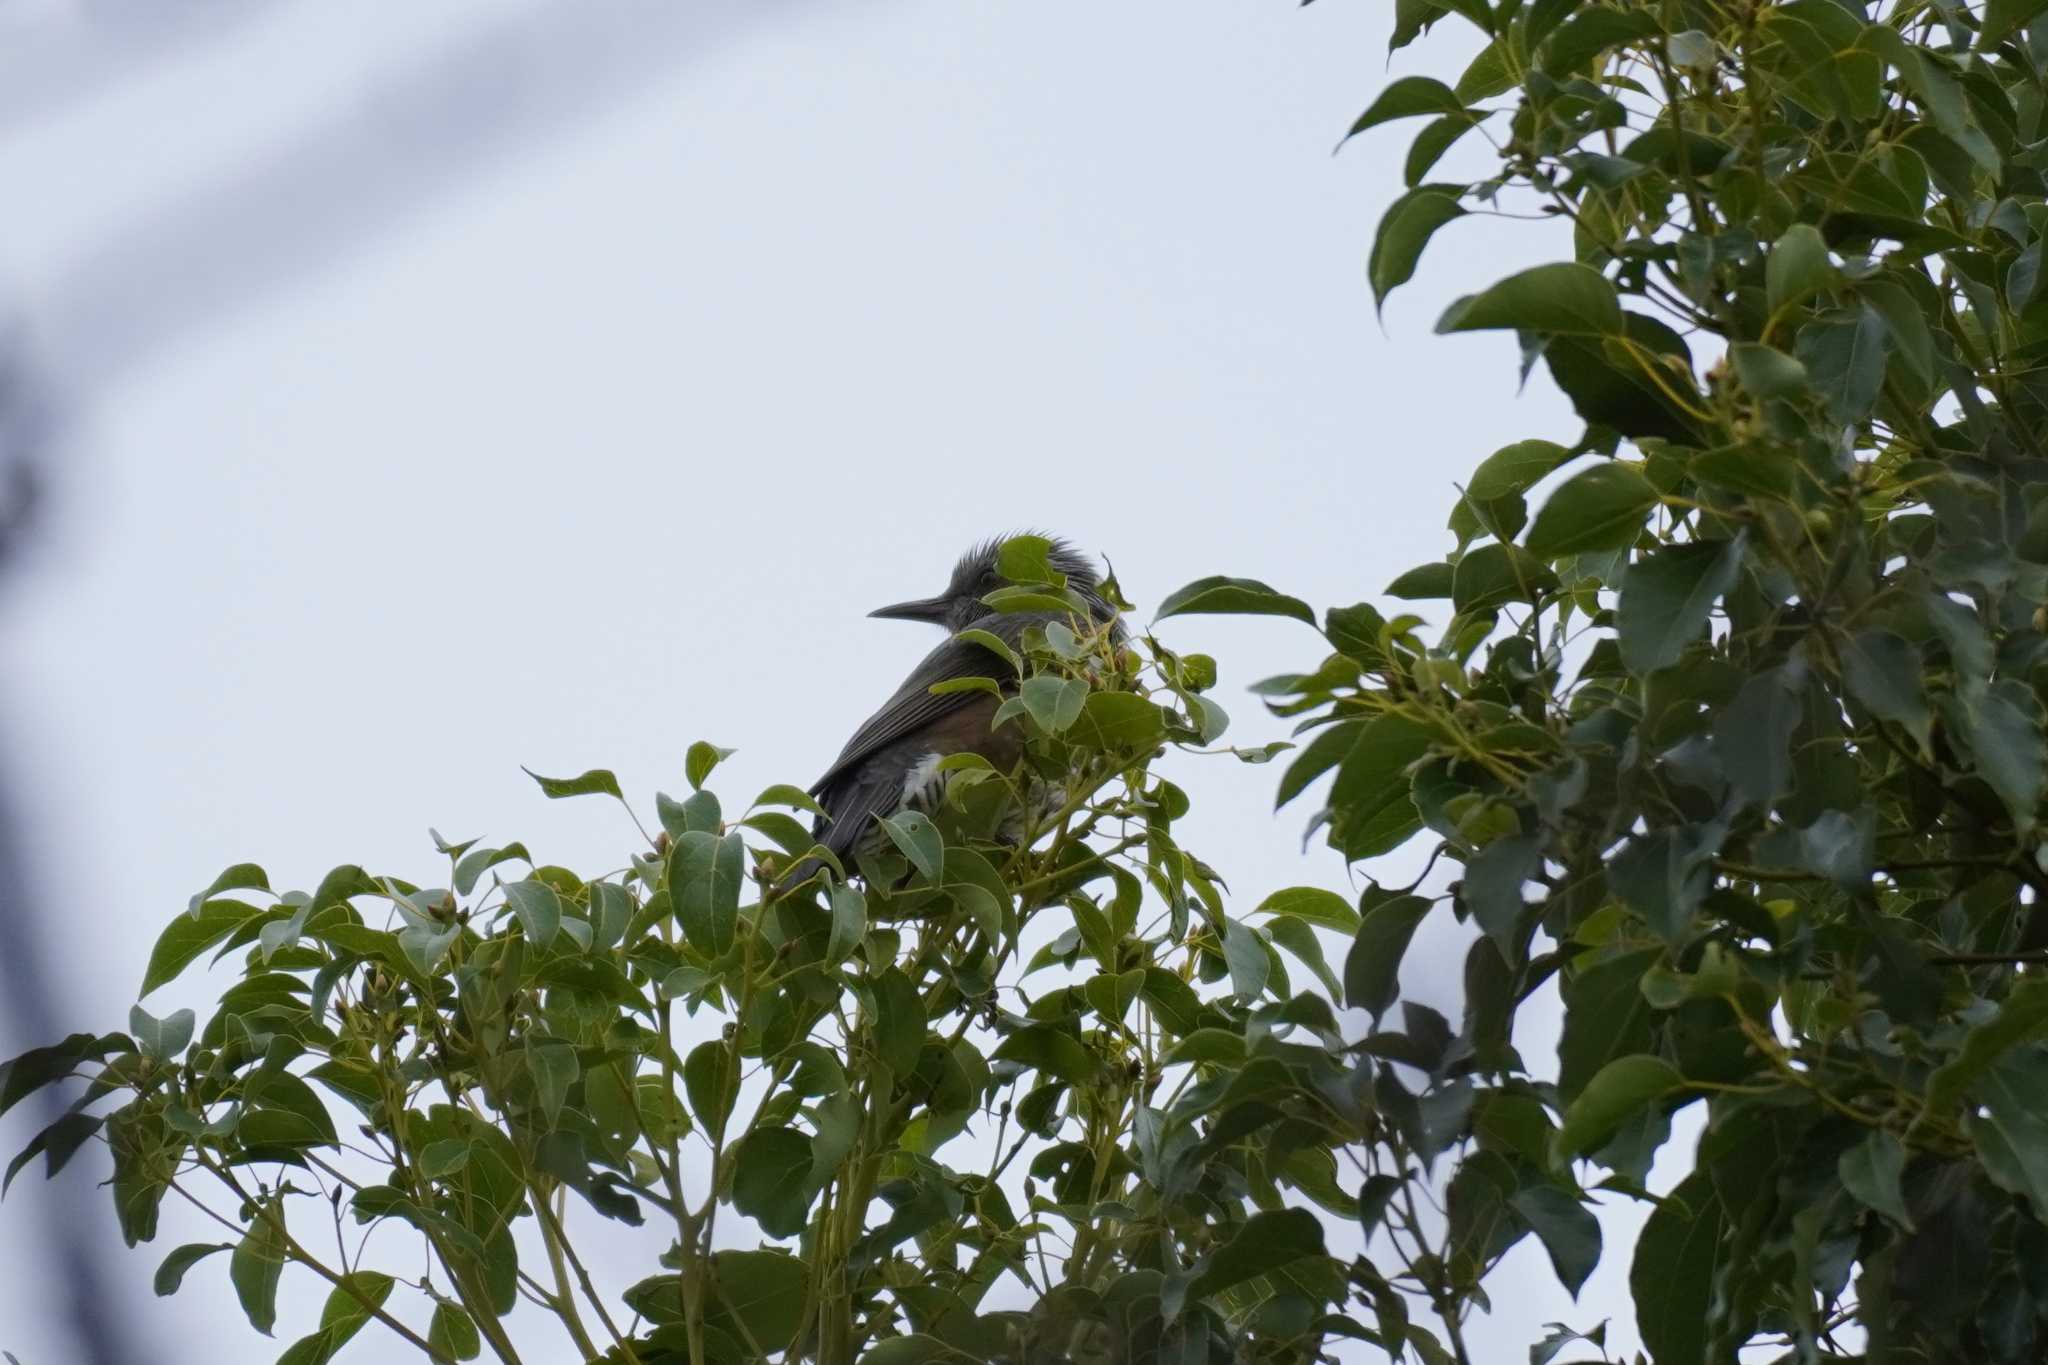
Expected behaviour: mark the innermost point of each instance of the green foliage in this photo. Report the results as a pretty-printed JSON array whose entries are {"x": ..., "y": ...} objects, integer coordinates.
[
  {"x": 1736, "y": 743},
  {"x": 1042, "y": 1068},
  {"x": 1724, "y": 725}
]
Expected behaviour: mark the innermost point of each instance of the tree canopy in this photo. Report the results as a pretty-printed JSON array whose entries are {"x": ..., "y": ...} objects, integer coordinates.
[{"x": 1720, "y": 723}]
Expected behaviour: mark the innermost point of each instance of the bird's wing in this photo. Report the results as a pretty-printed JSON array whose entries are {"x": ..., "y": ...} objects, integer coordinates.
[{"x": 913, "y": 707}]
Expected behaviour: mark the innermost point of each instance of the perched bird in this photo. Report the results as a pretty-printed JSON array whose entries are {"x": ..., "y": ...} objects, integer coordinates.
[{"x": 891, "y": 762}]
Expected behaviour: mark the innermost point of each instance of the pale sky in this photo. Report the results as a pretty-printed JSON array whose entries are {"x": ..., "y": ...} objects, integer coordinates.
[{"x": 451, "y": 388}]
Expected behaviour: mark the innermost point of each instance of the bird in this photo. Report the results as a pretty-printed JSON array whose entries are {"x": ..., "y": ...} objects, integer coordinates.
[{"x": 891, "y": 762}]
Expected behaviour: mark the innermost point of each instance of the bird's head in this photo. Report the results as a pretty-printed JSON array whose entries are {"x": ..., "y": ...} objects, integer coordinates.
[{"x": 976, "y": 576}]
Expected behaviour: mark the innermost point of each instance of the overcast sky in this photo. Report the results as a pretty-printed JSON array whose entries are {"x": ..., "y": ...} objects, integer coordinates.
[{"x": 447, "y": 390}]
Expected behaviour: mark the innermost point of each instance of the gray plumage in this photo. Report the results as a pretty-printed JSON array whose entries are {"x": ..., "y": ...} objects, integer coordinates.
[{"x": 887, "y": 762}]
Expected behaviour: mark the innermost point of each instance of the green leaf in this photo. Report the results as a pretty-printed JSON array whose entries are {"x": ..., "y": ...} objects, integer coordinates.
[
  {"x": 1493, "y": 883},
  {"x": 1585, "y": 36},
  {"x": 1425, "y": 582},
  {"x": 1759, "y": 468},
  {"x": 2011, "y": 1132},
  {"x": 454, "y": 1333},
  {"x": 446, "y": 1156},
  {"x": 162, "y": 1038},
  {"x": 473, "y": 864},
  {"x": 1564, "y": 297},
  {"x": 1119, "y": 722},
  {"x": 1628, "y": 385},
  {"x": 849, "y": 922},
  {"x": 1883, "y": 672},
  {"x": 1666, "y": 597},
  {"x": 1054, "y": 702},
  {"x": 900, "y": 1023},
  {"x": 1219, "y": 596},
  {"x": 1601, "y": 508},
  {"x": 1663, "y": 875},
  {"x": 1027, "y": 559},
  {"x": 711, "y": 1084},
  {"x": 705, "y": 874},
  {"x": 2001, "y": 17},
  {"x": 1494, "y": 575},
  {"x": 1844, "y": 355},
  {"x": 1568, "y": 1230},
  {"x": 240, "y": 877},
  {"x": 1049, "y": 1051},
  {"x": 256, "y": 1265},
  {"x": 1766, "y": 371},
  {"x": 771, "y": 1179},
  {"x": 596, "y": 782},
  {"x": 918, "y": 840},
  {"x": 2021, "y": 1018},
  {"x": 555, "y": 1069},
  {"x": 1268, "y": 1241},
  {"x": 1404, "y": 232},
  {"x": 1314, "y": 905},
  {"x": 171, "y": 1274},
  {"x": 538, "y": 909},
  {"x": 766, "y": 1291},
  {"x": 1672, "y": 1276},
  {"x": 1208, "y": 1045},
  {"x": 187, "y": 936},
  {"x": 1906, "y": 324},
  {"x": 796, "y": 798},
  {"x": 1871, "y": 1171},
  {"x": 1753, "y": 736},
  {"x": 1515, "y": 469},
  {"x": 1621, "y": 1089},
  {"x": 1605, "y": 1017},
  {"x": 1372, "y": 968},
  {"x": 2002, "y": 724},
  {"x": 1407, "y": 97},
  {"x": 1797, "y": 267},
  {"x": 1297, "y": 938},
  {"x": 915, "y": 1348},
  {"x": 700, "y": 760},
  {"x": 1245, "y": 954}
]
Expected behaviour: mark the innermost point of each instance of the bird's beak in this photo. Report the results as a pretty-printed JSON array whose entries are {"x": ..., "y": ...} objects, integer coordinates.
[{"x": 929, "y": 609}]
